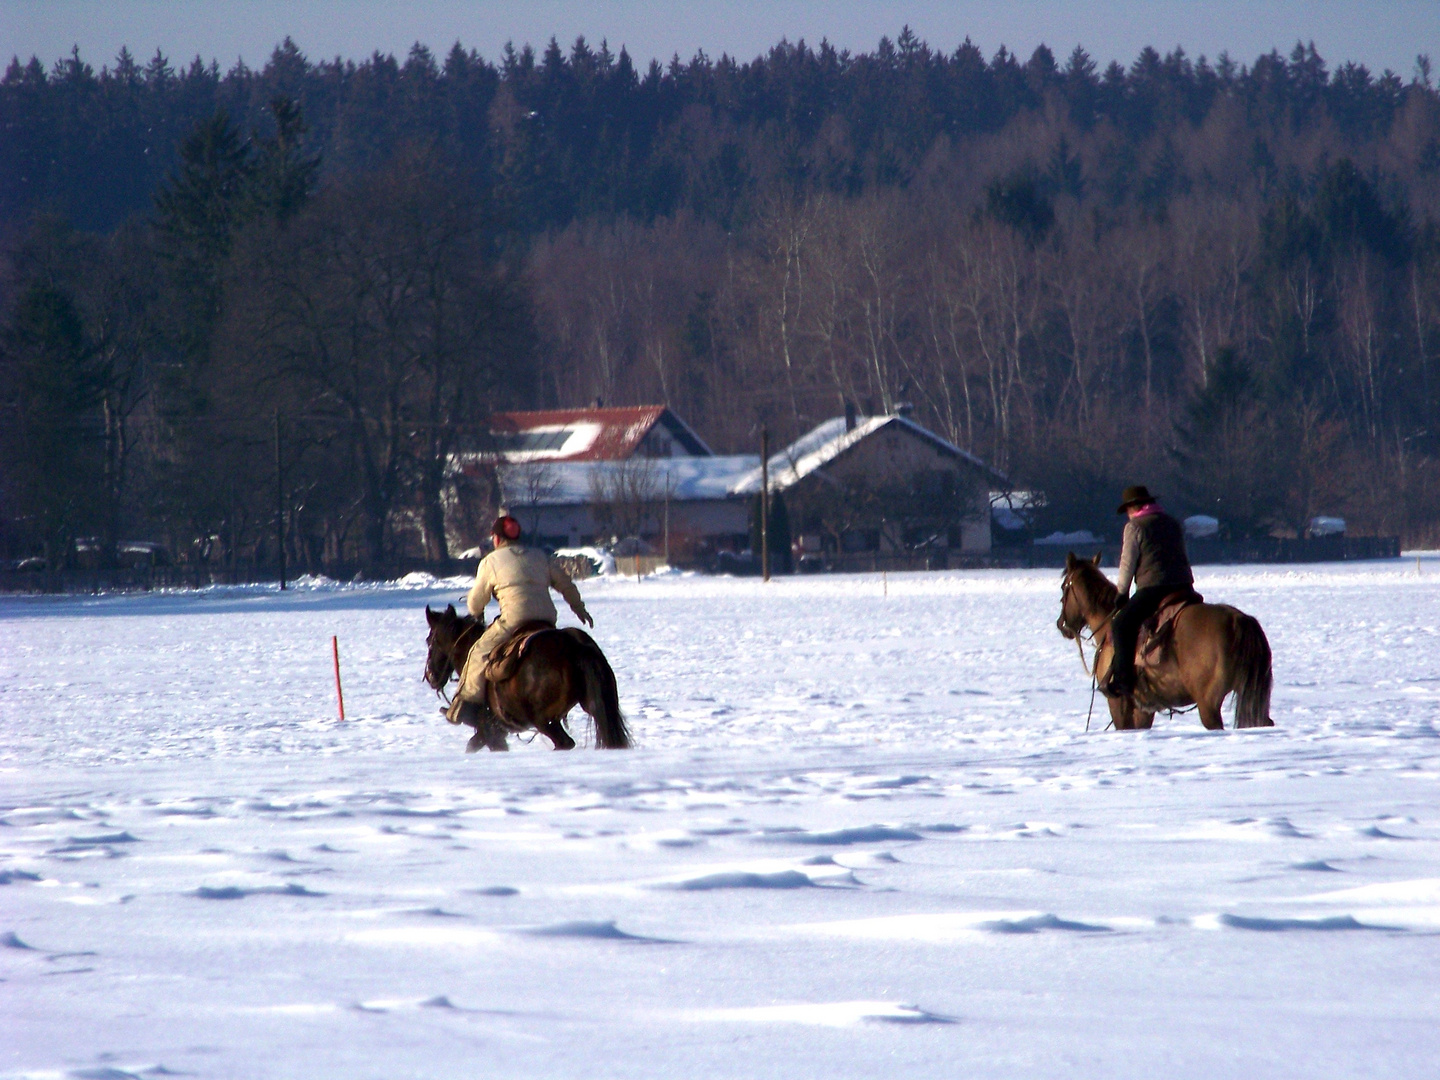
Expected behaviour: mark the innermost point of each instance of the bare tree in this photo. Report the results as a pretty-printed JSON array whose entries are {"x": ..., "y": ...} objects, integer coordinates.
[
  {"x": 625, "y": 496},
  {"x": 527, "y": 487}
]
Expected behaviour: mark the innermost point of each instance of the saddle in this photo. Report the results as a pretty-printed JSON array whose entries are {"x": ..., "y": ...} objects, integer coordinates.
[
  {"x": 1158, "y": 631},
  {"x": 504, "y": 660}
]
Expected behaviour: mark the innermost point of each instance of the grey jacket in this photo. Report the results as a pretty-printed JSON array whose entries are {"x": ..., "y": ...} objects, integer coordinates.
[{"x": 1153, "y": 553}]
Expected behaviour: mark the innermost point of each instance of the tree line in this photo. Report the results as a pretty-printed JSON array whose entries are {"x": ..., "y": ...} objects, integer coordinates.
[{"x": 1219, "y": 279}]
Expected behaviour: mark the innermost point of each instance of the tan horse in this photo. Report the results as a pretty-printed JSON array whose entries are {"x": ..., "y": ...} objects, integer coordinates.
[
  {"x": 1216, "y": 650},
  {"x": 560, "y": 669}
]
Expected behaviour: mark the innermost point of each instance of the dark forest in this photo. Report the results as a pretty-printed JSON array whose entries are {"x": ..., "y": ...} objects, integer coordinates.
[{"x": 1221, "y": 279}]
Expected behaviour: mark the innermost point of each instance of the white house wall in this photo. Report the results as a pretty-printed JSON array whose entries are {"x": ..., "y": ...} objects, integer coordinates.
[{"x": 707, "y": 519}]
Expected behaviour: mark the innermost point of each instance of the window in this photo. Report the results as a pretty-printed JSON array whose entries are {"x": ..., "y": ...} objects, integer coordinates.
[
  {"x": 936, "y": 484},
  {"x": 532, "y": 441}
]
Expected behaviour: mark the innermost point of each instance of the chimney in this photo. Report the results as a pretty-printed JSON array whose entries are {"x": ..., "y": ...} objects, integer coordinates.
[
  {"x": 849, "y": 415},
  {"x": 904, "y": 408},
  {"x": 599, "y": 403}
]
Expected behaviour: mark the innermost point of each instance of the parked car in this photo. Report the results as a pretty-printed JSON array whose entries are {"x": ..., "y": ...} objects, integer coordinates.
[
  {"x": 142, "y": 553},
  {"x": 595, "y": 560},
  {"x": 1326, "y": 526},
  {"x": 1199, "y": 526}
]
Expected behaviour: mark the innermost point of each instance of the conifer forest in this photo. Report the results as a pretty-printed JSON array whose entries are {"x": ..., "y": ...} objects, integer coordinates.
[{"x": 1216, "y": 276}]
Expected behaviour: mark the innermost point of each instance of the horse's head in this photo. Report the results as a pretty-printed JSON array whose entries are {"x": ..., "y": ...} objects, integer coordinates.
[
  {"x": 445, "y": 628},
  {"x": 1077, "y": 590}
]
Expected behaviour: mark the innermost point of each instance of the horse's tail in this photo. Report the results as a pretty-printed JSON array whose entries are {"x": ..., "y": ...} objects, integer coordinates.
[
  {"x": 1253, "y": 675},
  {"x": 601, "y": 698}
]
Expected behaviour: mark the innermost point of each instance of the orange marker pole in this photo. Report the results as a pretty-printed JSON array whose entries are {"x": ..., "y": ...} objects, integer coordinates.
[{"x": 339, "y": 694}]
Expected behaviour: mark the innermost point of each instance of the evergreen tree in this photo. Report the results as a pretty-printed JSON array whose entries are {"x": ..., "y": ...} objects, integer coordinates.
[
  {"x": 283, "y": 174},
  {"x": 49, "y": 388},
  {"x": 197, "y": 212}
]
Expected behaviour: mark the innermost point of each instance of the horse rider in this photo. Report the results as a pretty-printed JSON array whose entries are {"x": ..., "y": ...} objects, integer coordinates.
[
  {"x": 1152, "y": 555},
  {"x": 520, "y": 578}
]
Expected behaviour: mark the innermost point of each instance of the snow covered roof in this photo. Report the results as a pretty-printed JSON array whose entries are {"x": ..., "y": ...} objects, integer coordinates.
[
  {"x": 825, "y": 443},
  {"x": 542, "y": 482},
  {"x": 595, "y": 434},
  {"x": 574, "y": 483}
]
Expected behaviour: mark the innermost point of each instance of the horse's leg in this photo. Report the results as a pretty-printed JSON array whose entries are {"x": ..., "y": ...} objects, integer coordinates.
[
  {"x": 553, "y": 687},
  {"x": 490, "y": 732},
  {"x": 555, "y": 731},
  {"x": 1210, "y": 695},
  {"x": 529, "y": 695},
  {"x": 1204, "y": 658},
  {"x": 1120, "y": 709},
  {"x": 1210, "y": 715},
  {"x": 469, "y": 713},
  {"x": 495, "y": 735}
]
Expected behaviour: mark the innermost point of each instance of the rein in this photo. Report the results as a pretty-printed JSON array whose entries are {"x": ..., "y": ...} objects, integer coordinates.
[
  {"x": 1097, "y": 635},
  {"x": 466, "y": 639},
  {"x": 460, "y": 650}
]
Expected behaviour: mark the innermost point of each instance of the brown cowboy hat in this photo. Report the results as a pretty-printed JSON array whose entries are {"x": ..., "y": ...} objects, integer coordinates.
[{"x": 1134, "y": 496}]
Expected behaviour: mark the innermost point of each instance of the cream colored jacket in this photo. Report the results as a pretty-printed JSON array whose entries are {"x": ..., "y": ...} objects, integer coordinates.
[{"x": 521, "y": 578}]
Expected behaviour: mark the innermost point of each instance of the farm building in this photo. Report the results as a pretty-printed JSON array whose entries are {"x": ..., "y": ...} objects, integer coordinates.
[
  {"x": 682, "y": 506},
  {"x": 859, "y": 490},
  {"x": 528, "y": 446},
  {"x": 855, "y": 490}
]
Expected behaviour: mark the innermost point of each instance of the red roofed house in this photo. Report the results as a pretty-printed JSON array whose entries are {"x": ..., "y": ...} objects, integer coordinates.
[
  {"x": 518, "y": 468},
  {"x": 598, "y": 434},
  {"x": 859, "y": 489}
]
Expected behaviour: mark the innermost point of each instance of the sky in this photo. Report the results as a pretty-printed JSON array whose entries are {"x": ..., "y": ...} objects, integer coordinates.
[{"x": 1378, "y": 33}]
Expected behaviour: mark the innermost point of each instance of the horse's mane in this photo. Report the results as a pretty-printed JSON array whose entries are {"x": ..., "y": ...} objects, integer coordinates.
[
  {"x": 461, "y": 620},
  {"x": 1093, "y": 583}
]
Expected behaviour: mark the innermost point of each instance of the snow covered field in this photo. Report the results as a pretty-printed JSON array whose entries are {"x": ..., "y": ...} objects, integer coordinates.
[{"x": 861, "y": 835}]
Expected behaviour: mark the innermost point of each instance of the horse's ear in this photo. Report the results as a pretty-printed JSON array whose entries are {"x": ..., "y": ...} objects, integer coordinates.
[
  {"x": 1096, "y": 560},
  {"x": 450, "y": 610},
  {"x": 429, "y": 615},
  {"x": 1069, "y": 560}
]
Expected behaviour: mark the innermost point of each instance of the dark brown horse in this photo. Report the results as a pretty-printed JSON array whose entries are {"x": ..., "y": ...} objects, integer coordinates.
[
  {"x": 1216, "y": 649},
  {"x": 560, "y": 669}
]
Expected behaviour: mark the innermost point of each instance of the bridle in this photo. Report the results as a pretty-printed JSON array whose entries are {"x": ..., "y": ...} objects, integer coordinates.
[
  {"x": 439, "y": 667},
  {"x": 1076, "y": 634},
  {"x": 440, "y": 664}
]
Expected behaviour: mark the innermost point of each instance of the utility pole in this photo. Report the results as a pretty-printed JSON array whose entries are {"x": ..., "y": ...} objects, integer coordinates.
[
  {"x": 765, "y": 503},
  {"x": 280, "y": 504},
  {"x": 668, "y": 484}
]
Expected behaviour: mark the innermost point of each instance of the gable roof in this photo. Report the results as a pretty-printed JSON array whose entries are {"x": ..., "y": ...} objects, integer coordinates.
[
  {"x": 596, "y": 434},
  {"x": 826, "y": 442}
]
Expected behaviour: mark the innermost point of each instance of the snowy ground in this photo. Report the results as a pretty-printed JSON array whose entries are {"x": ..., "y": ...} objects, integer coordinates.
[{"x": 861, "y": 835}]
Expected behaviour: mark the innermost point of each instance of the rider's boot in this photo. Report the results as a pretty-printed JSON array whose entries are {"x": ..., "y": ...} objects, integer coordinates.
[
  {"x": 474, "y": 713},
  {"x": 1118, "y": 684},
  {"x": 459, "y": 712}
]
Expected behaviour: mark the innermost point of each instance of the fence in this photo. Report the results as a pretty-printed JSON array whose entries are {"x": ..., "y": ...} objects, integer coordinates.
[
  {"x": 1206, "y": 551},
  {"x": 199, "y": 576},
  {"x": 1202, "y": 552}
]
